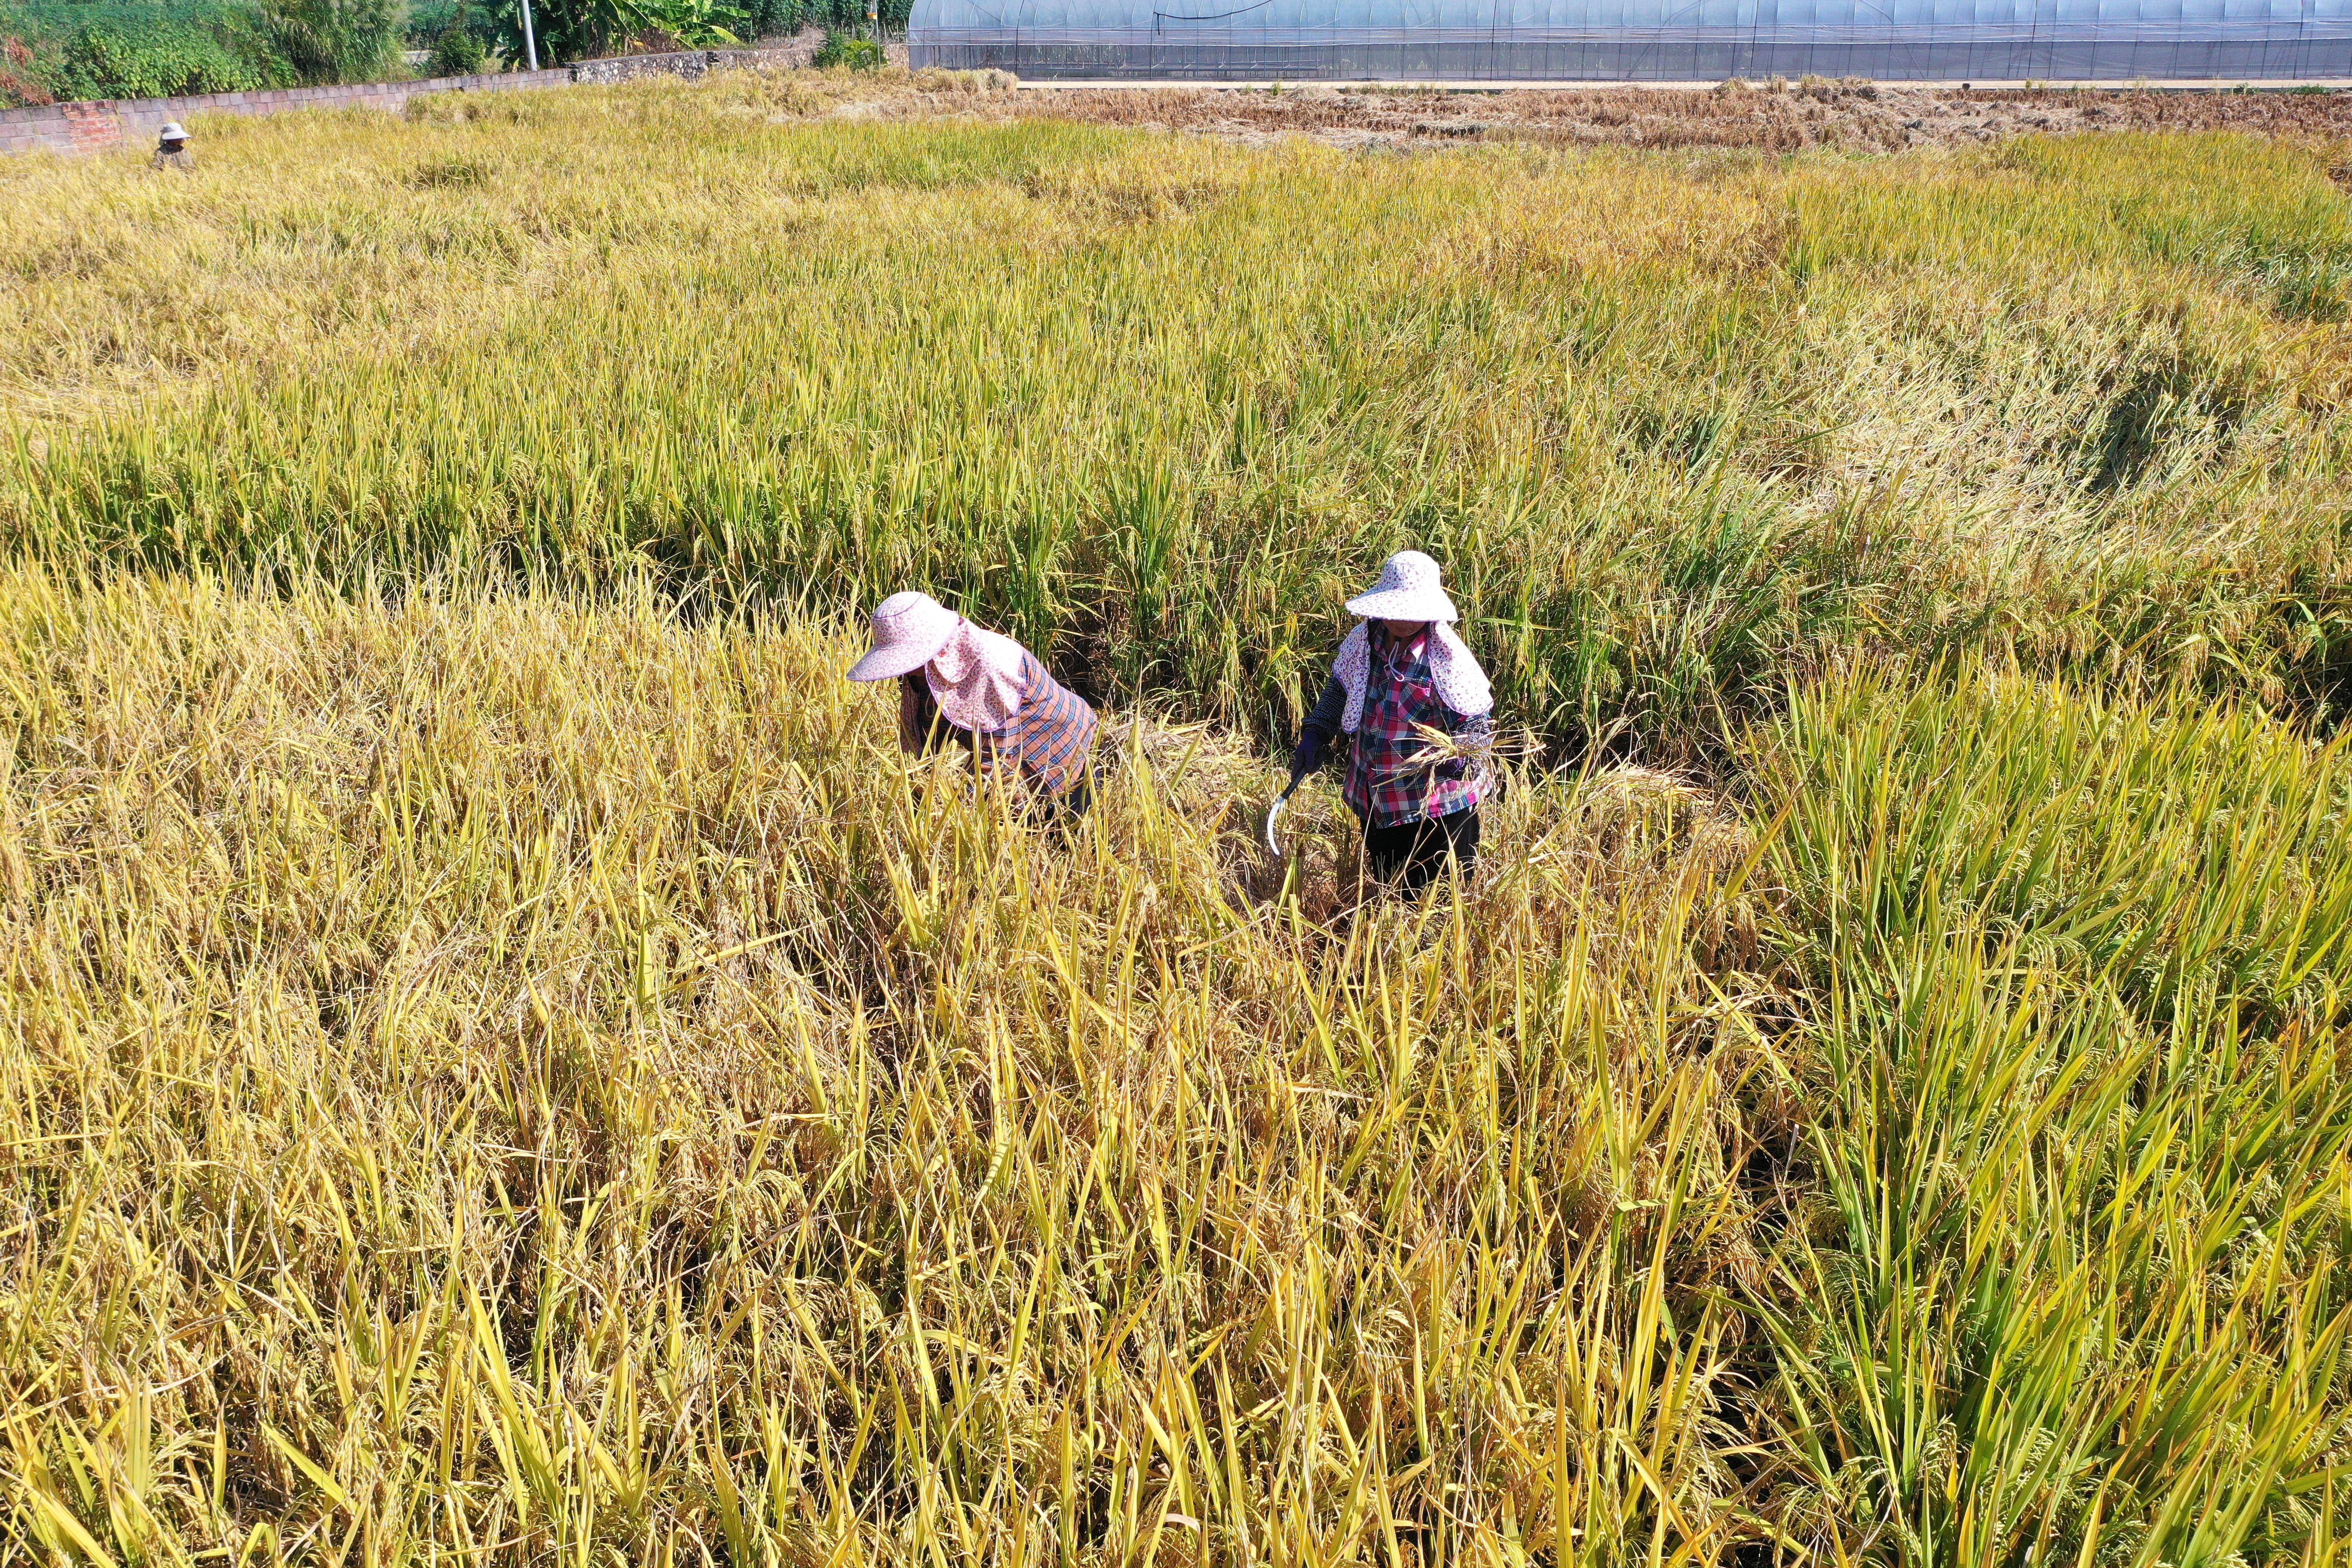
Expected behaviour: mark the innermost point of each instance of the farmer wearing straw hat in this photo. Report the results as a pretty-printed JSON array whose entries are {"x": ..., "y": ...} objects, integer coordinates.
[
  {"x": 172, "y": 149},
  {"x": 1403, "y": 676},
  {"x": 982, "y": 691}
]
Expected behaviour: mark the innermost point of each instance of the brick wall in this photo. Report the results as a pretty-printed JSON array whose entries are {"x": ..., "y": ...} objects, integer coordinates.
[
  {"x": 87, "y": 128},
  {"x": 119, "y": 122}
]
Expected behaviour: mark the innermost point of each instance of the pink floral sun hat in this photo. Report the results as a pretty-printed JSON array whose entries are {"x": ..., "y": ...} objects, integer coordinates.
[
  {"x": 910, "y": 630},
  {"x": 1408, "y": 591}
]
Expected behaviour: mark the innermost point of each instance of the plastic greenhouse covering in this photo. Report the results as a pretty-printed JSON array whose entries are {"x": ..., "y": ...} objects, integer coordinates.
[{"x": 1640, "y": 40}]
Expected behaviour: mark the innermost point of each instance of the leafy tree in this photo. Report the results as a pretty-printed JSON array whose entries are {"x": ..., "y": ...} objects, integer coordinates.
[
  {"x": 577, "y": 29},
  {"x": 581, "y": 29},
  {"x": 338, "y": 40},
  {"x": 770, "y": 17}
]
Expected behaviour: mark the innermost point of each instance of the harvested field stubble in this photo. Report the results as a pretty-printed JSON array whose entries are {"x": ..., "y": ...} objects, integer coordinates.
[{"x": 501, "y": 1061}]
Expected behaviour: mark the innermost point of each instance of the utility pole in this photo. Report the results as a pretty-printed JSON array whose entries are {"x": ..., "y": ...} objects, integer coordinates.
[
  {"x": 530, "y": 44},
  {"x": 874, "y": 17}
]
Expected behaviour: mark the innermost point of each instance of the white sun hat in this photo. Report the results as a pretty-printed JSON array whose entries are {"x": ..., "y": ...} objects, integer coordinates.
[
  {"x": 1407, "y": 591},
  {"x": 910, "y": 630},
  {"x": 171, "y": 132}
]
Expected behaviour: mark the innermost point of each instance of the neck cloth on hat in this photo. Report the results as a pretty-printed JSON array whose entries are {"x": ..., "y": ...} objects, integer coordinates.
[
  {"x": 1454, "y": 671},
  {"x": 976, "y": 679}
]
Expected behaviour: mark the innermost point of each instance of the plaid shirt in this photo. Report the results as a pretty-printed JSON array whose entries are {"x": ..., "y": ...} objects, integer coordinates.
[
  {"x": 1385, "y": 784},
  {"x": 1048, "y": 736}
]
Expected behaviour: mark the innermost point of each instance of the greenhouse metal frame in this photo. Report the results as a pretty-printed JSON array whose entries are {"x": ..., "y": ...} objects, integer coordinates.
[{"x": 1640, "y": 40}]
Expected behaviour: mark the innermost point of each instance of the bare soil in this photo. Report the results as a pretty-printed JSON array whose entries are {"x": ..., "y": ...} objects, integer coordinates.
[{"x": 1768, "y": 118}]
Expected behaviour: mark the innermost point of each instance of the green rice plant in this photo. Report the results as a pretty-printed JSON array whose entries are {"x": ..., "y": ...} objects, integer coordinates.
[
  {"x": 2166, "y": 849},
  {"x": 2072, "y": 1290},
  {"x": 1676, "y": 430}
]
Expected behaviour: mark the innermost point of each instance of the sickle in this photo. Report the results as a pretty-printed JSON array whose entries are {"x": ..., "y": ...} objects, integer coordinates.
[{"x": 1273, "y": 815}]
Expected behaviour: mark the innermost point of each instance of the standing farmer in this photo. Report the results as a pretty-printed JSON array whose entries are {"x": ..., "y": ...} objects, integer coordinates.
[
  {"x": 172, "y": 149},
  {"x": 984, "y": 691},
  {"x": 1403, "y": 672}
]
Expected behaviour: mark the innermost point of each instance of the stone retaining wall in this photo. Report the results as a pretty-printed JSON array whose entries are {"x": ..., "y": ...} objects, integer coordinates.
[{"x": 133, "y": 121}]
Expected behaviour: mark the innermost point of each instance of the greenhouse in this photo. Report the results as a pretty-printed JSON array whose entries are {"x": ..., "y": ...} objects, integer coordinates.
[{"x": 1640, "y": 40}]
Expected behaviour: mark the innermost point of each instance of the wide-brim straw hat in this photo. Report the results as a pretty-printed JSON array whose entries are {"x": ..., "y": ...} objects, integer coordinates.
[
  {"x": 910, "y": 630},
  {"x": 171, "y": 132},
  {"x": 1408, "y": 591}
]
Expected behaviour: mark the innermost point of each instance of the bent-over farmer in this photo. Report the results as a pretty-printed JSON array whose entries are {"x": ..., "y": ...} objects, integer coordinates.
[
  {"x": 985, "y": 692},
  {"x": 1403, "y": 672},
  {"x": 172, "y": 149}
]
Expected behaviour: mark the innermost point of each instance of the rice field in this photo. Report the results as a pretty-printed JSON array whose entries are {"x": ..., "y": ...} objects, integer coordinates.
[{"x": 503, "y": 1062}]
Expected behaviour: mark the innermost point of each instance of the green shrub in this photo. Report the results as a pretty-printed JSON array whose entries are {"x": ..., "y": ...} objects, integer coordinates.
[
  {"x": 80, "y": 51},
  {"x": 562, "y": 30},
  {"x": 158, "y": 58},
  {"x": 842, "y": 49},
  {"x": 457, "y": 52},
  {"x": 850, "y": 15}
]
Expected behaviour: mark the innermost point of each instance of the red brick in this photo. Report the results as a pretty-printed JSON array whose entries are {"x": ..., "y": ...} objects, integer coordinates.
[{"x": 91, "y": 127}]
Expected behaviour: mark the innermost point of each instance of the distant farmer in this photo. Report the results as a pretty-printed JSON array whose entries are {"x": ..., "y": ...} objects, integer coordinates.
[
  {"x": 984, "y": 692},
  {"x": 1418, "y": 710},
  {"x": 172, "y": 149}
]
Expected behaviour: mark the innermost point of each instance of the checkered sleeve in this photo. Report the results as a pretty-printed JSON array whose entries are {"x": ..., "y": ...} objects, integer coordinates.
[{"x": 1053, "y": 734}]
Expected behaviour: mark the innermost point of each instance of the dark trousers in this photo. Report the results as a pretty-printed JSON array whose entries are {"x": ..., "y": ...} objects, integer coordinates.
[
  {"x": 1064, "y": 810},
  {"x": 1411, "y": 853}
]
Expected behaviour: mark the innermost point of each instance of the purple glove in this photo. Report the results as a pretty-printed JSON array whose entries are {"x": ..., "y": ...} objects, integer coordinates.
[{"x": 1309, "y": 756}]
